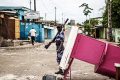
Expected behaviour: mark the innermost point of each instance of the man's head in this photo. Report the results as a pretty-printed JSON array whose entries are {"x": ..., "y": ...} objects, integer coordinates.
[{"x": 59, "y": 28}]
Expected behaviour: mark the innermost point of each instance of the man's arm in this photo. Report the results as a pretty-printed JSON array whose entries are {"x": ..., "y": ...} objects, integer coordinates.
[
  {"x": 52, "y": 41},
  {"x": 46, "y": 46}
]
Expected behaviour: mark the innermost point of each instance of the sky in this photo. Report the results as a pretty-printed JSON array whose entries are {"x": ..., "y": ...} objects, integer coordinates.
[{"x": 64, "y": 8}]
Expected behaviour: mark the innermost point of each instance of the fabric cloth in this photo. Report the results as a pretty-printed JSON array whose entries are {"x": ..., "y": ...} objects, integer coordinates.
[
  {"x": 32, "y": 32},
  {"x": 32, "y": 39},
  {"x": 59, "y": 39}
]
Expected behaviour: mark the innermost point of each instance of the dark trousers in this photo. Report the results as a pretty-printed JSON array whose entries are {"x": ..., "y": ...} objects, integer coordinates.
[
  {"x": 32, "y": 39},
  {"x": 59, "y": 53}
]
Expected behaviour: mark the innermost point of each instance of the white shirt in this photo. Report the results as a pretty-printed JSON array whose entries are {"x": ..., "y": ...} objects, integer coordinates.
[{"x": 32, "y": 32}]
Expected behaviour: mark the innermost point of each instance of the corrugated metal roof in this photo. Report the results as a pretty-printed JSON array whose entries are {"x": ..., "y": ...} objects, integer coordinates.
[
  {"x": 48, "y": 27},
  {"x": 14, "y": 12},
  {"x": 9, "y": 13},
  {"x": 12, "y": 8}
]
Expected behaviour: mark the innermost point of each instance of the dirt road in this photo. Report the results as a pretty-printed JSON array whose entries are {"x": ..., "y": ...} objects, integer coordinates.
[{"x": 33, "y": 63}]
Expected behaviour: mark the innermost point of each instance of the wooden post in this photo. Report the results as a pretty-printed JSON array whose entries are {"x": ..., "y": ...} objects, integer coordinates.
[
  {"x": 67, "y": 70},
  {"x": 117, "y": 66}
]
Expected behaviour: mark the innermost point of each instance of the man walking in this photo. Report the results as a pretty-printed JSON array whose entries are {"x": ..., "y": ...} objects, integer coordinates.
[{"x": 32, "y": 33}]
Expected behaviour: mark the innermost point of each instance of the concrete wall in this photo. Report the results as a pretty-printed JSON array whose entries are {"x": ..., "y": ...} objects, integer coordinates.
[
  {"x": 116, "y": 34},
  {"x": 102, "y": 33}
]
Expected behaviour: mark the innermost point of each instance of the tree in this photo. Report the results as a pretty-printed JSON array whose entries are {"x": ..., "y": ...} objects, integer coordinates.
[
  {"x": 94, "y": 22},
  {"x": 86, "y": 10},
  {"x": 89, "y": 24},
  {"x": 78, "y": 24},
  {"x": 87, "y": 27},
  {"x": 115, "y": 15}
]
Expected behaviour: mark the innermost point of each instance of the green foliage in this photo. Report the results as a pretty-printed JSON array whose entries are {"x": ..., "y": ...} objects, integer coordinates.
[
  {"x": 78, "y": 24},
  {"x": 88, "y": 25},
  {"x": 94, "y": 22},
  {"x": 87, "y": 9},
  {"x": 115, "y": 15},
  {"x": 87, "y": 28}
]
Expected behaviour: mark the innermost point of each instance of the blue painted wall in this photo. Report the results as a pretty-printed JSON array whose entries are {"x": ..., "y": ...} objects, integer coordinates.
[
  {"x": 22, "y": 31},
  {"x": 49, "y": 33},
  {"x": 52, "y": 33},
  {"x": 21, "y": 13},
  {"x": 26, "y": 27},
  {"x": 42, "y": 36}
]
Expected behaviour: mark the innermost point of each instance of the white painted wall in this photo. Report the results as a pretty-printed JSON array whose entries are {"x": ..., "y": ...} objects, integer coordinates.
[{"x": 117, "y": 34}]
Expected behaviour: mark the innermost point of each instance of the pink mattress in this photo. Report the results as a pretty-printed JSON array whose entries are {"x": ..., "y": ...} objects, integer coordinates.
[
  {"x": 107, "y": 65},
  {"x": 88, "y": 49}
]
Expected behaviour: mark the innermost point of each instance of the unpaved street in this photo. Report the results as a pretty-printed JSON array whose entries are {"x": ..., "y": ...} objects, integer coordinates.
[
  {"x": 28, "y": 62},
  {"x": 33, "y": 63}
]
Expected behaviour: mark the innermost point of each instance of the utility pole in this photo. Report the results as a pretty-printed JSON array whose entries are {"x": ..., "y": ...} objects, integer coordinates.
[
  {"x": 55, "y": 16},
  {"x": 34, "y": 5},
  {"x": 30, "y": 4},
  {"x": 62, "y": 18},
  {"x": 45, "y": 16},
  {"x": 109, "y": 21}
]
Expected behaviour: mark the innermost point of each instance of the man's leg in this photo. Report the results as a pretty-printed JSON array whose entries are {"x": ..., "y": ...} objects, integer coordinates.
[
  {"x": 59, "y": 56},
  {"x": 32, "y": 40}
]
